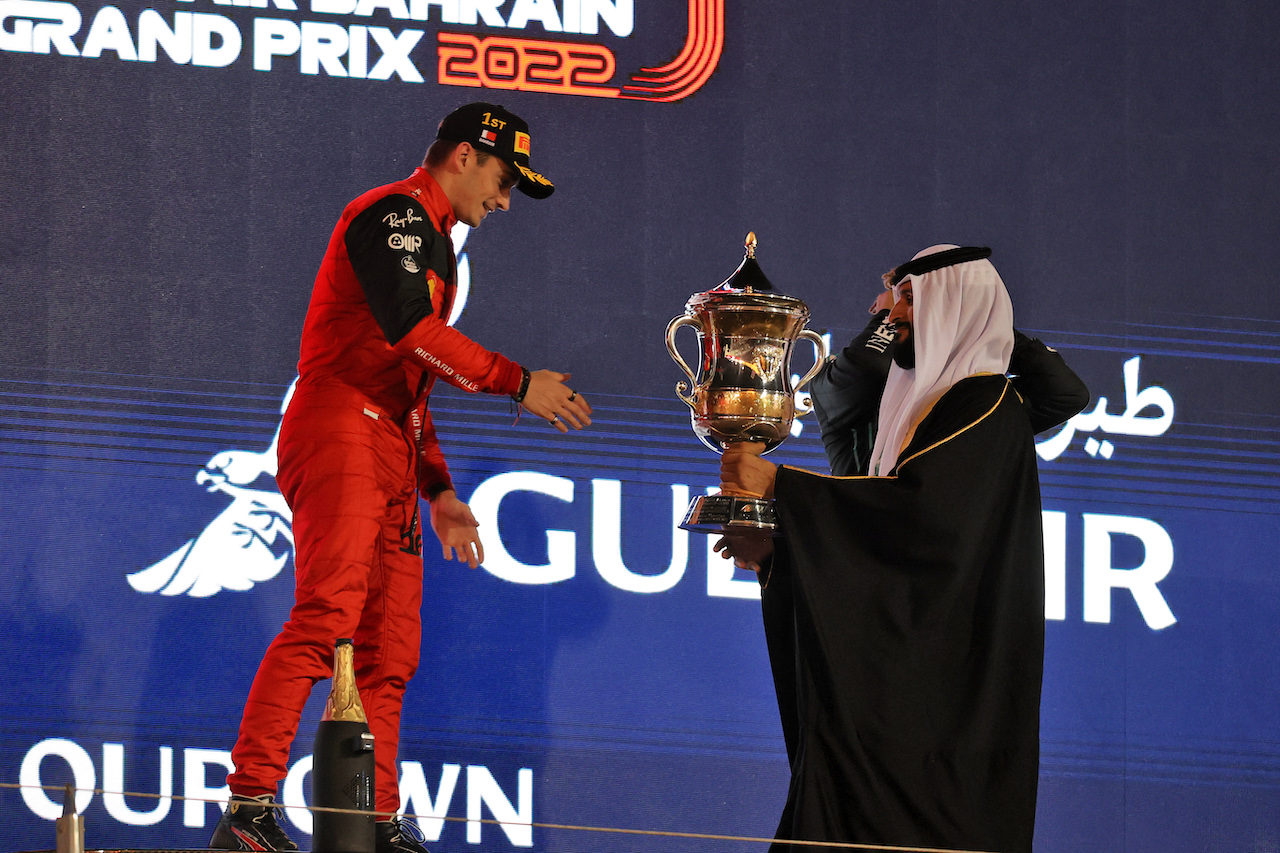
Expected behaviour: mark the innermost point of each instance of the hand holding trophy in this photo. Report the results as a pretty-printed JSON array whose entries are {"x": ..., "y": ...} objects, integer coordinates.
[{"x": 742, "y": 390}]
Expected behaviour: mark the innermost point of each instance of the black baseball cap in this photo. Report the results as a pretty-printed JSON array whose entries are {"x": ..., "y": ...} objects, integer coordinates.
[{"x": 490, "y": 128}]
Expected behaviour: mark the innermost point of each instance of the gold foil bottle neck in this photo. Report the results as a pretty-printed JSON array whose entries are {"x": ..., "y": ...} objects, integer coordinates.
[{"x": 344, "y": 699}]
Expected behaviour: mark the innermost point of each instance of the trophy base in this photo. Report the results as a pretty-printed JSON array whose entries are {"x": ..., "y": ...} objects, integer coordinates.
[{"x": 730, "y": 513}]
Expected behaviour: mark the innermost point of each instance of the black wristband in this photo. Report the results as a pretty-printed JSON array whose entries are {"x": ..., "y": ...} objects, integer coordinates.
[
  {"x": 524, "y": 386},
  {"x": 436, "y": 490}
]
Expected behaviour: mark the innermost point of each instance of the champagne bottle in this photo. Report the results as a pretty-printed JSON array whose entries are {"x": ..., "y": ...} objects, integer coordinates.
[
  {"x": 69, "y": 829},
  {"x": 342, "y": 775}
]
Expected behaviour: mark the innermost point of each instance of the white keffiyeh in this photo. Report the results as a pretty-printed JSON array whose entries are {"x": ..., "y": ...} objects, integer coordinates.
[{"x": 962, "y": 326}]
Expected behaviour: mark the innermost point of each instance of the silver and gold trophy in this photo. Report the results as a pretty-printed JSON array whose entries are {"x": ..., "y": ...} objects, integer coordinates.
[{"x": 742, "y": 390}]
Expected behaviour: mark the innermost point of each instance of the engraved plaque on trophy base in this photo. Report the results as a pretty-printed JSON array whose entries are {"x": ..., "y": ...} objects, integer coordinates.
[{"x": 727, "y": 513}]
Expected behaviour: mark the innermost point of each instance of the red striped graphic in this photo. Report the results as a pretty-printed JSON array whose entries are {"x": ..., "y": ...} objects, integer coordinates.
[{"x": 687, "y": 73}]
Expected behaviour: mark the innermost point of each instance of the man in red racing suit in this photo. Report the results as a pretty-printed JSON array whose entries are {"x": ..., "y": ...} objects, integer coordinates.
[{"x": 357, "y": 448}]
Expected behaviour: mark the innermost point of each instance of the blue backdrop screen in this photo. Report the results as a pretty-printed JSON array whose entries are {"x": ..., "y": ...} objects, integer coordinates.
[{"x": 171, "y": 173}]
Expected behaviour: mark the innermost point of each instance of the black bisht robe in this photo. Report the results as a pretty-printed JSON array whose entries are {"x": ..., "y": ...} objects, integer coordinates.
[{"x": 905, "y": 622}]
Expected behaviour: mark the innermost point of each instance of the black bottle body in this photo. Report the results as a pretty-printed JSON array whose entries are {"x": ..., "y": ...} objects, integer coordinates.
[{"x": 342, "y": 778}]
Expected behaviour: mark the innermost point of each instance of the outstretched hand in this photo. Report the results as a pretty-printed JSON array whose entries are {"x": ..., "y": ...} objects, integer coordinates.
[
  {"x": 555, "y": 402},
  {"x": 457, "y": 529}
]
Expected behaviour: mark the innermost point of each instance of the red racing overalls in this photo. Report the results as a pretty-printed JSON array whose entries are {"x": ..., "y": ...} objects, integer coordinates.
[{"x": 356, "y": 448}]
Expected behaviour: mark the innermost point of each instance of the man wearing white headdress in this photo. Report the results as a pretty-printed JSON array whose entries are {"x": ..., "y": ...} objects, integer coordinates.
[
  {"x": 964, "y": 328},
  {"x": 905, "y": 610},
  {"x": 847, "y": 390}
]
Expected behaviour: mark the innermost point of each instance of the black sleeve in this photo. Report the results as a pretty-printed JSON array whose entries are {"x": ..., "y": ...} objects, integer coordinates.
[
  {"x": 1051, "y": 392},
  {"x": 392, "y": 245},
  {"x": 777, "y": 606},
  {"x": 846, "y": 396}
]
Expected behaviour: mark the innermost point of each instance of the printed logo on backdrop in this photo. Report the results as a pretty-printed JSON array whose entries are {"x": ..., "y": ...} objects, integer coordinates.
[
  {"x": 342, "y": 42},
  {"x": 1148, "y": 412},
  {"x": 251, "y": 540}
]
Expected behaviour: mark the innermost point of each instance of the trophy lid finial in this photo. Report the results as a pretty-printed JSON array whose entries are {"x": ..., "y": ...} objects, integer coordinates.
[{"x": 748, "y": 276}]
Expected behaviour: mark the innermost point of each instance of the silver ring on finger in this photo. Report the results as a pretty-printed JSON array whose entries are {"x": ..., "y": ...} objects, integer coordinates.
[{"x": 573, "y": 396}]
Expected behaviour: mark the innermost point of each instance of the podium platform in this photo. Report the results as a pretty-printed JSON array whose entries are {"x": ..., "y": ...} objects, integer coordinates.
[{"x": 130, "y": 850}]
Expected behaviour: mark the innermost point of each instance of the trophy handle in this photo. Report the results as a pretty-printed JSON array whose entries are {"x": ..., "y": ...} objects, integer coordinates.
[
  {"x": 819, "y": 359},
  {"x": 681, "y": 387}
]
